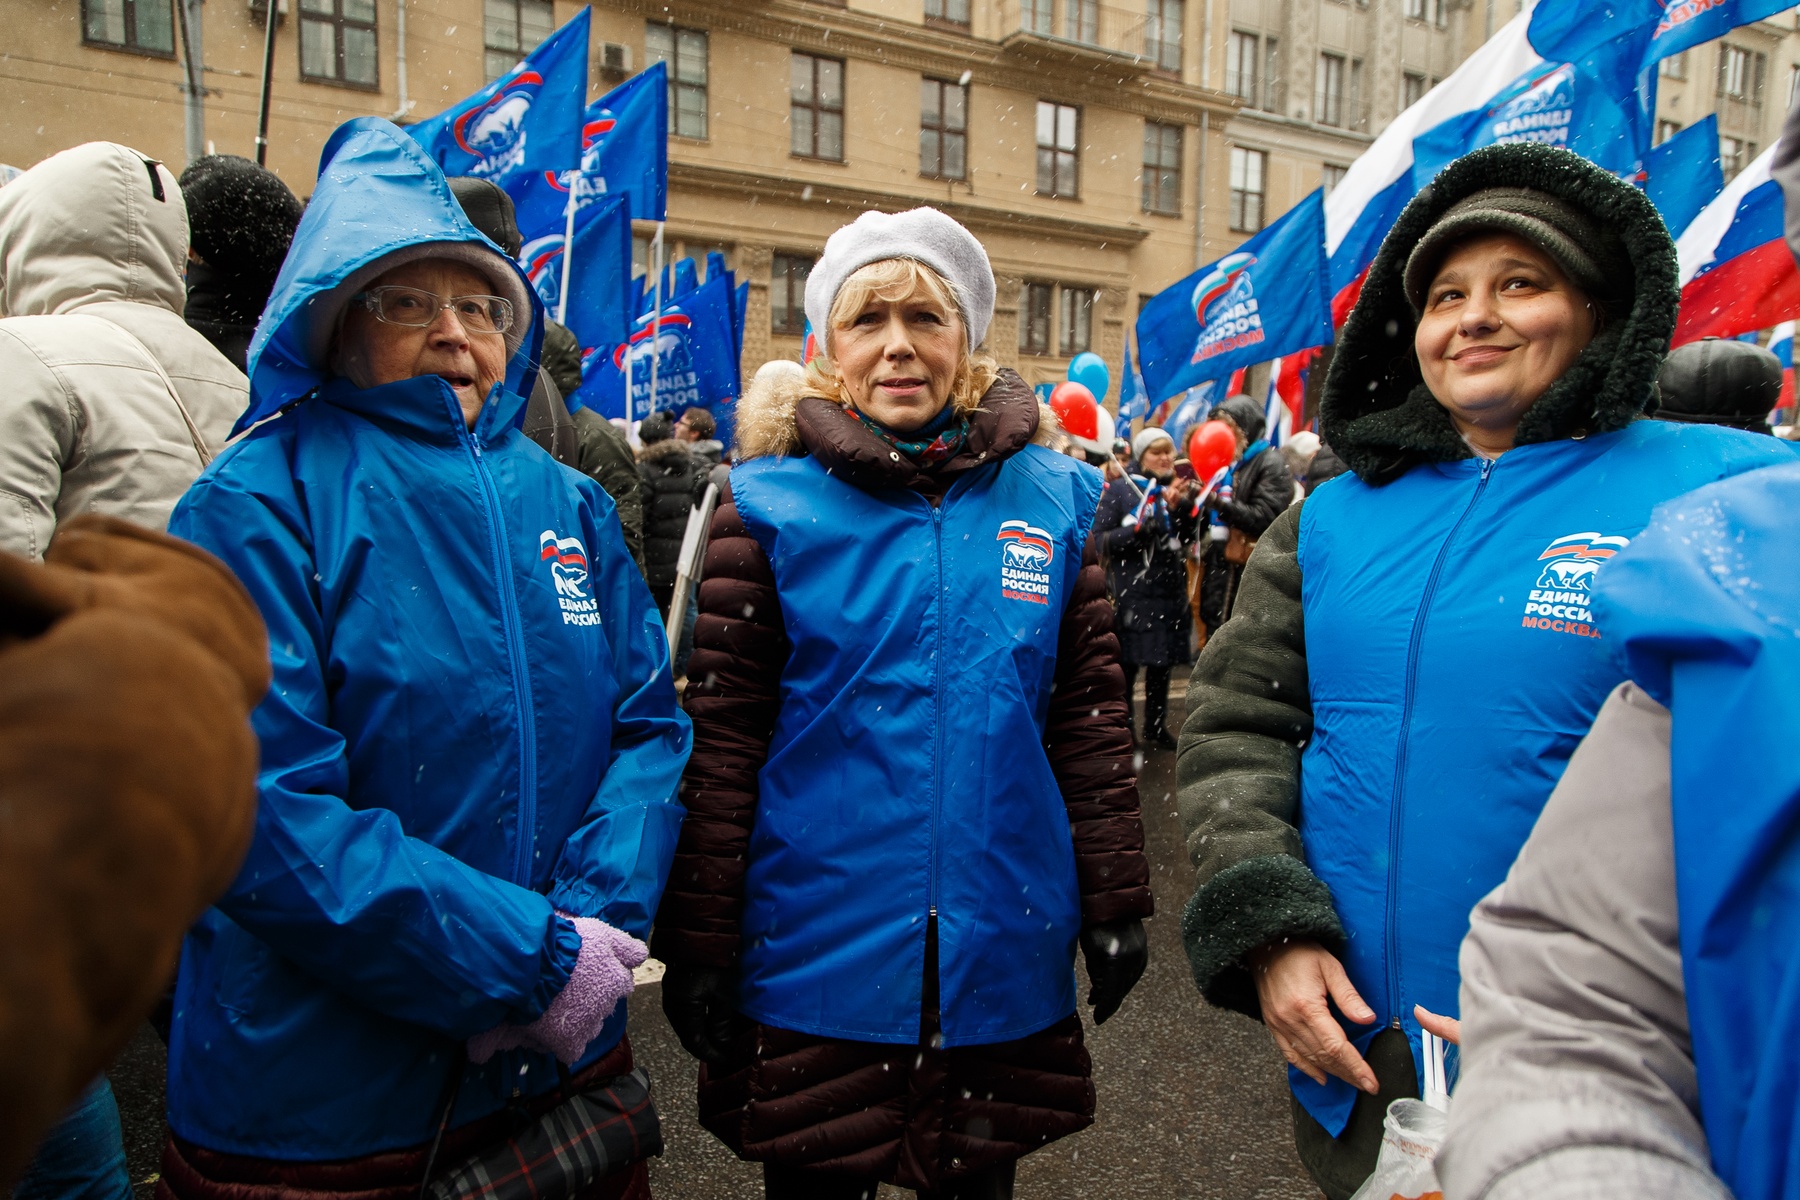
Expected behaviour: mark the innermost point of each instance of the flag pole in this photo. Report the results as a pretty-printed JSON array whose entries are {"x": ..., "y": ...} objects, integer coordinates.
[
  {"x": 657, "y": 252},
  {"x": 562, "y": 296}
]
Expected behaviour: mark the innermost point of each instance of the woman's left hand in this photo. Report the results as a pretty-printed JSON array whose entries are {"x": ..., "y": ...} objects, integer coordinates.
[
  {"x": 1117, "y": 953},
  {"x": 1448, "y": 1028}
]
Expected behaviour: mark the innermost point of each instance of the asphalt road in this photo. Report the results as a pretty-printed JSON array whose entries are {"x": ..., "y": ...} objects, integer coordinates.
[{"x": 1192, "y": 1101}]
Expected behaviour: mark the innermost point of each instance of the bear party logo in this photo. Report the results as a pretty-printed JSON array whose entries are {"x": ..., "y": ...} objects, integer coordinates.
[
  {"x": 1025, "y": 556},
  {"x": 569, "y": 572},
  {"x": 1559, "y": 600},
  {"x": 1226, "y": 308},
  {"x": 494, "y": 132}
]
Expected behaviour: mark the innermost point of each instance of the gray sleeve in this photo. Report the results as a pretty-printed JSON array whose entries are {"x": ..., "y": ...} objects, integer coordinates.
[
  {"x": 41, "y": 433},
  {"x": 1578, "y": 1076}
]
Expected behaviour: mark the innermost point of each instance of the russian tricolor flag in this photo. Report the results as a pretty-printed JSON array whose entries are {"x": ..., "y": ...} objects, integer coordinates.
[
  {"x": 1781, "y": 345},
  {"x": 1737, "y": 273},
  {"x": 1284, "y": 409}
]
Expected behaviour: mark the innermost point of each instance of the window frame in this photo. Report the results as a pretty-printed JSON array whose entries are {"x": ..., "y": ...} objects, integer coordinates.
[
  {"x": 1273, "y": 91},
  {"x": 1075, "y": 320},
  {"x": 128, "y": 15},
  {"x": 1241, "y": 194},
  {"x": 1328, "y": 101},
  {"x": 1165, "y": 183},
  {"x": 1733, "y": 61},
  {"x": 1331, "y": 174},
  {"x": 1666, "y": 129},
  {"x": 1060, "y": 156},
  {"x": 784, "y": 282},
  {"x": 1675, "y": 66},
  {"x": 1162, "y": 16},
  {"x": 1408, "y": 80},
  {"x": 1235, "y": 85},
  {"x": 816, "y": 106},
  {"x": 1035, "y": 317},
  {"x": 944, "y": 19},
  {"x": 520, "y": 49},
  {"x": 680, "y": 84},
  {"x": 942, "y": 131},
  {"x": 339, "y": 23}
]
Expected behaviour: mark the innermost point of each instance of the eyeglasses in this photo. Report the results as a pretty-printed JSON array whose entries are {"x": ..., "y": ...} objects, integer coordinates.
[{"x": 418, "y": 309}]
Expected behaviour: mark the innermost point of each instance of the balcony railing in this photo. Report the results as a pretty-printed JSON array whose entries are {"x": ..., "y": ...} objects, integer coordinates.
[{"x": 1088, "y": 30}]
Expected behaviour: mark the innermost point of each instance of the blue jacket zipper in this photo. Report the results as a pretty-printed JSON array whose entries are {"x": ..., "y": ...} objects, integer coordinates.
[
  {"x": 515, "y": 657},
  {"x": 1398, "y": 809},
  {"x": 937, "y": 714}
]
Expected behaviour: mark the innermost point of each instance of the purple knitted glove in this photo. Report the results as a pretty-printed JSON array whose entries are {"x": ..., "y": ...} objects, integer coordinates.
[{"x": 601, "y": 978}]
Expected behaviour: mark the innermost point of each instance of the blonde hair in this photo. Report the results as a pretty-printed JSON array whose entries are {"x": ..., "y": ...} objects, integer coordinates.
[{"x": 894, "y": 280}]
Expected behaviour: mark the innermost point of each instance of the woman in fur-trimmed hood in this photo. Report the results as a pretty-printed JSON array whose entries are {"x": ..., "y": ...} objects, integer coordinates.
[
  {"x": 1411, "y": 660},
  {"x": 913, "y": 793}
]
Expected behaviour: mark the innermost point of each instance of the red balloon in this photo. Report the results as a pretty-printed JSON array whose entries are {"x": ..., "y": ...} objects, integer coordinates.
[
  {"x": 1211, "y": 448},
  {"x": 1077, "y": 409}
]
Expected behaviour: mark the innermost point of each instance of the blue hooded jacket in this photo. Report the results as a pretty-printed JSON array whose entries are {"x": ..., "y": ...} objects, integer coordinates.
[
  {"x": 1704, "y": 612},
  {"x": 472, "y": 723}
]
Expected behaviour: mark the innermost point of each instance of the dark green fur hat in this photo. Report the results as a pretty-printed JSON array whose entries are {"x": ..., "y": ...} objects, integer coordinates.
[{"x": 1377, "y": 413}]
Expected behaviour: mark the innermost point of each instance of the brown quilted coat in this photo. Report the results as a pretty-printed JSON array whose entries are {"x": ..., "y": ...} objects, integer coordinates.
[{"x": 909, "y": 1115}]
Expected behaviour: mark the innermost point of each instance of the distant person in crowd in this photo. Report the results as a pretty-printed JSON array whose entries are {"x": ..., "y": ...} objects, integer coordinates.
[
  {"x": 912, "y": 793},
  {"x": 242, "y": 220},
  {"x": 1324, "y": 465},
  {"x": 112, "y": 404},
  {"x": 1412, "y": 658},
  {"x": 1629, "y": 992},
  {"x": 1719, "y": 382},
  {"x": 466, "y": 802},
  {"x": 129, "y": 663},
  {"x": 1298, "y": 453},
  {"x": 1145, "y": 525},
  {"x": 698, "y": 429},
  {"x": 1241, "y": 507},
  {"x": 580, "y": 438},
  {"x": 674, "y": 479}
]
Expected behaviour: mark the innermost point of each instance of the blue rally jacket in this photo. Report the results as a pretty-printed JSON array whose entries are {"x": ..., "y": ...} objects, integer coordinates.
[
  {"x": 472, "y": 724},
  {"x": 1704, "y": 613},
  {"x": 1454, "y": 663},
  {"x": 906, "y": 776}
]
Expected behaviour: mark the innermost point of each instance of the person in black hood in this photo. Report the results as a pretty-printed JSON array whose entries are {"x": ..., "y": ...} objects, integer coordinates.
[
  {"x": 241, "y": 219},
  {"x": 1259, "y": 488},
  {"x": 1714, "y": 382},
  {"x": 674, "y": 480}
]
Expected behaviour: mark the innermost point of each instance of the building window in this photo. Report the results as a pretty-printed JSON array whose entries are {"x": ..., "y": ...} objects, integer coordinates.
[
  {"x": 1162, "y": 167},
  {"x": 1034, "y": 318},
  {"x": 816, "y": 106},
  {"x": 685, "y": 52},
  {"x": 943, "y": 129},
  {"x": 1077, "y": 321},
  {"x": 1666, "y": 130},
  {"x": 1328, "y": 90},
  {"x": 1247, "y": 167},
  {"x": 1036, "y": 16},
  {"x": 1412, "y": 89},
  {"x": 1241, "y": 54},
  {"x": 1082, "y": 18},
  {"x": 1793, "y": 96},
  {"x": 951, "y": 12},
  {"x": 1330, "y": 175},
  {"x": 514, "y": 29},
  {"x": 1674, "y": 66},
  {"x": 1734, "y": 153},
  {"x": 1356, "y": 116},
  {"x": 1741, "y": 73},
  {"x": 1272, "y": 87},
  {"x": 1162, "y": 35},
  {"x": 337, "y": 41},
  {"x": 1414, "y": 9},
  {"x": 146, "y": 26},
  {"x": 1058, "y": 140},
  {"x": 787, "y": 293},
  {"x": 1440, "y": 13}
]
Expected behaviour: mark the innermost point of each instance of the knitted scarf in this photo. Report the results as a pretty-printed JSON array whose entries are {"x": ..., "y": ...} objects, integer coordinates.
[{"x": 937, "y": 441}]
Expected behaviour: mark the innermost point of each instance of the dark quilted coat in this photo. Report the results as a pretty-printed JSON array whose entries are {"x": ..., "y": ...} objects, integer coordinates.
[
  {"x": 674, "y": 479},
  {"x": 912, "y": 1116}
]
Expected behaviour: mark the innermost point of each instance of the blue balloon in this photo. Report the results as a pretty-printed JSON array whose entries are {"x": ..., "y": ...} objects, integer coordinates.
[{"x": 1089, "y": 370}]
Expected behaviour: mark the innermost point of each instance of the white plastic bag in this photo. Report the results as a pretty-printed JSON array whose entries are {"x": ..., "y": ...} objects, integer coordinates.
[{"x": 1410, "y": 1139}]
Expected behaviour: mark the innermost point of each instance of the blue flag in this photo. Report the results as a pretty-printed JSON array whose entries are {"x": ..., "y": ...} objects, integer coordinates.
[
  {"x": 1639, "y": 33},
  {"x": 600, "y": 279},
  {"x": 1266, "y": 299},
  {"x": 1134, "y": 401},
  {"x": 524, "y": 123},
  {"x": 696, "y": 355},
  {"x": 1683, "y": 173},
  {"x": 687, "y": 277},
  {"x": 1570, "y": 105},
  {"x": 624, "y": 151},
  {"x": 740, "y": 298}
]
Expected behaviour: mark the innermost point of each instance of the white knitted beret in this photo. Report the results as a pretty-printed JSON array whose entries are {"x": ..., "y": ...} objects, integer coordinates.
[{"x": 922, "y": 234}]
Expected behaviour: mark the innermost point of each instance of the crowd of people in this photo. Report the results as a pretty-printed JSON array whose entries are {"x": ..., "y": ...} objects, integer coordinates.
[{"x": 361, "y": 672}]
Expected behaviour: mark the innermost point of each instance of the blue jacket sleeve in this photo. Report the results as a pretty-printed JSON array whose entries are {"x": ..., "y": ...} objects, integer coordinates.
[
  {"x": 344, "y": 894},
  {"x": 615, "y": 864}
]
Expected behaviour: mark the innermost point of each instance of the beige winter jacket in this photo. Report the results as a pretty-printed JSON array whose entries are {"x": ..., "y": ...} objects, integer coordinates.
[
  {"x": 1578, "y": 1075},
  {"x": 93, "y": 243}
]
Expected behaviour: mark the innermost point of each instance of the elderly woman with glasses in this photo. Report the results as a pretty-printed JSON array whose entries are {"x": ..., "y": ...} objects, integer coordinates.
[{"x": 469, "y": 755}]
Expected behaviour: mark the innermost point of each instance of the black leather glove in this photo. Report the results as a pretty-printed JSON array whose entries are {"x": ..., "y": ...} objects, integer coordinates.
[
  {"x": 1153, "y": 527},
  {"x": 701, "y": 1004},
  {"x": 1117, "y": 953}
]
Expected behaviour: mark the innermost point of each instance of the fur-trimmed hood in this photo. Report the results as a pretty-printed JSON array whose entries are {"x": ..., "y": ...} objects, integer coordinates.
[
  {"x": 1377, "y": 413},
  {"x": 778, "y": 419},
  {"x": 659, "y": 453}
]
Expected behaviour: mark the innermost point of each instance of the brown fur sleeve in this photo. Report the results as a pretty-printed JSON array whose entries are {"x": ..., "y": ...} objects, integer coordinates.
[
  {"x": 1088, "y": 739},
  {"x": 733, "y": 692}
]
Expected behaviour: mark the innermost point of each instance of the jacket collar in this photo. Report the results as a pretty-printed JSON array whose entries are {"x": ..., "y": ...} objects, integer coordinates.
[{"x": 426, "y": 407}]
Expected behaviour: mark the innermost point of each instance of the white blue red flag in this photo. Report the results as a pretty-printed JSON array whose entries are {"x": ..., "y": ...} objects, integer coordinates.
[
  {"x": 1683, "y": 174},
  {"x": 1736, "y": 270},
  {"x": 1284, "y": 411},
  {"x": 1266, "y": 298},
  {"x": 1781, "y": 345},
  {"x": 527, "y": 121},
  {"x": 624, "y": 152}
]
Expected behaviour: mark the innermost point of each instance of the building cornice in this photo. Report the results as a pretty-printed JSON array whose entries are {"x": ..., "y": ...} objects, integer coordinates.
[
  {"x": 739, "y": 185},
  {"x": 822, "y": 29}
]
